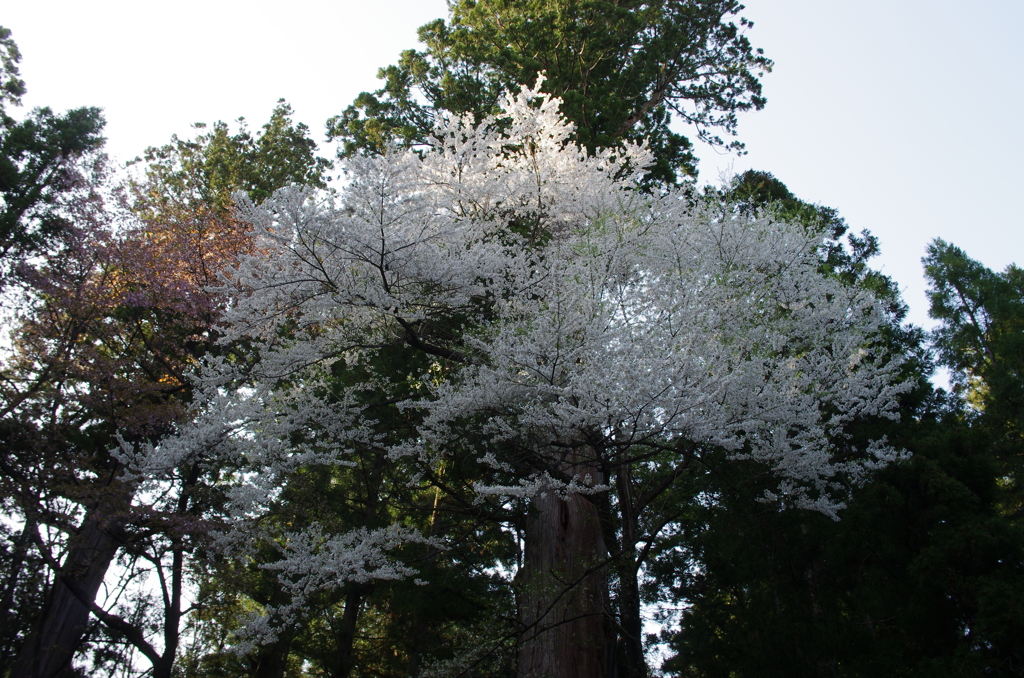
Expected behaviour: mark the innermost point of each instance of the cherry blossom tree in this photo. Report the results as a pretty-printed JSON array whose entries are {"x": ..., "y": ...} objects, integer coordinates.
[{"x": 578, "y": 342}]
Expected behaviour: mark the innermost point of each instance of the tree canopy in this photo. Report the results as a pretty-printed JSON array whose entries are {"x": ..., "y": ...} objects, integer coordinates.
[
  {"x": 43, "y": 168},
  {"x": 511, "y": 390},
  {"x": 625, "y": 71},
  {"x": 114, "y": 321},
  {"x": 566, "y": 338}
]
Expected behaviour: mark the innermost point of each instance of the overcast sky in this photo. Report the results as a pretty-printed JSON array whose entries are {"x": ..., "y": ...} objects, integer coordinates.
[{"x": 903, "y": 114}]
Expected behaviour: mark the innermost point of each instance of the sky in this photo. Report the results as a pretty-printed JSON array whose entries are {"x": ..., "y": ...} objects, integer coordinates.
[{"x": 902, "y": 114}]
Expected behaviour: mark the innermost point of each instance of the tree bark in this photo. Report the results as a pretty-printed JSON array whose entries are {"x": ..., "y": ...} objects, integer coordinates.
[
  {"x": 563, "y": 590},
  {"x": 633, "y": 663},
  {"x": 55, "y": 637}
]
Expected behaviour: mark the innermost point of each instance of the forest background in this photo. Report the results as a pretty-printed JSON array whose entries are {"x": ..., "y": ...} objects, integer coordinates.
[
  {"x": 991, "y": 449},
  {"x": 899, "y": 115}
]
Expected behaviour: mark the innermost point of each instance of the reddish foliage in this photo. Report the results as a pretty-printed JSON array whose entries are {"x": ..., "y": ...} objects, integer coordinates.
[{"x": 126, "y": 310}]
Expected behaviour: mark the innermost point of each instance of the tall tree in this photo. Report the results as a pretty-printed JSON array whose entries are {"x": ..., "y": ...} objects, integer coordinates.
[
  {"x": 624, "y": 70},
  {"x": 981, "y": 338},
  {"x": 579, "y": 343},
  {"x": 46, "y": 162},
  {"x": 981, "y": 341},
  {"x": 208, "y": 169}
]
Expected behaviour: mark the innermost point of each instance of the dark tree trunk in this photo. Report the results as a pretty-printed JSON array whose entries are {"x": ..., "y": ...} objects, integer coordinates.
[
  {"x": 55, "y": 637},
  {"x": 7, "y": 611},
  {"x": 164, "y": 666},
  {"x": 347, "y": 633},
  {"x": 272, "y": 659},
  {"x": 633, "y": 662},
  {"x": 563, "y": 591}
]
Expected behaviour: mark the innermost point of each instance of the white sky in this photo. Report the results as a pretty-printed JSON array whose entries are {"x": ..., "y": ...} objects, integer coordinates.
[{"x": 902, "y": 114}]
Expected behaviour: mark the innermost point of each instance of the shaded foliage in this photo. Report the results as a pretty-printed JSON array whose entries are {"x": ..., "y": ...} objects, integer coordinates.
[
  {"x": 113, "y": 323},
  {"x": 46, "y": 161},
  {"x": 624, "y": 70},
  {"x": 924, "y": 574}
]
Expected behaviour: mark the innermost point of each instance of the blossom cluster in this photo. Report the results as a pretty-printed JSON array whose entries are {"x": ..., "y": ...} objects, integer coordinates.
[{"x": 570, "y": 322}]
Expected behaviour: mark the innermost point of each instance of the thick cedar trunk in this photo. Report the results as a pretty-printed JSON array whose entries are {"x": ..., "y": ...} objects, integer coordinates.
[
  {"x": 54, "y": 639},
  {"x": 563, "y": 591}
]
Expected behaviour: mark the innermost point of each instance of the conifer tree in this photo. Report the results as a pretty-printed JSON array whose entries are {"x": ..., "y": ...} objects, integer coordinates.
[
  {"x": 921, "y": 576},
  {"x": 46, "y": 165},
  {"x": 624, "y": 72}
]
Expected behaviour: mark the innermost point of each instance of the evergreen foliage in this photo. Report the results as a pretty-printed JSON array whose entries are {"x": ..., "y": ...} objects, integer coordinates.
[
  {"x": 923, "y": 574},
  {"x": 47, "y": 162},
  {"x": 623, "y": 70}
]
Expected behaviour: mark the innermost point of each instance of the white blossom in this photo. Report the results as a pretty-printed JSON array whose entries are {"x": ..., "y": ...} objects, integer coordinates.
[{"x": 575, "y": 312}]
